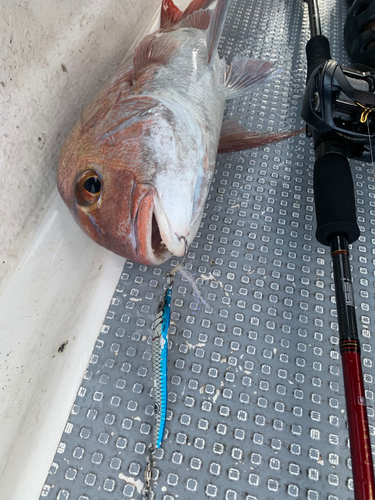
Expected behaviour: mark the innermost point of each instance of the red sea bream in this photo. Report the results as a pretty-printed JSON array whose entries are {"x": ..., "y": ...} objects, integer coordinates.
[{"x": 136, "y": 169}]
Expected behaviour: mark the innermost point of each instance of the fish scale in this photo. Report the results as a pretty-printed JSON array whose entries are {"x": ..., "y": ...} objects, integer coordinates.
[
  {"x": 205, "y": 90},
  {"x": 256, "y": 401}
]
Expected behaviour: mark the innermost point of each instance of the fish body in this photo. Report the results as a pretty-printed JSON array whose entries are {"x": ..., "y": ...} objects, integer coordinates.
[
  {"x": 136, "y": 169},
  {"x": 160, "y": 365}
]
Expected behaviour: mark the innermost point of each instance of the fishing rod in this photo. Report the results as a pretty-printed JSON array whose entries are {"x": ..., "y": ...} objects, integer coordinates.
[{"x": 337, "y": 107}]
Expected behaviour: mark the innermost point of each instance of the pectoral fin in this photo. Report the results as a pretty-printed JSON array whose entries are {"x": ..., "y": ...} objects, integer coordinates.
[{"x": 234, "y": 137}]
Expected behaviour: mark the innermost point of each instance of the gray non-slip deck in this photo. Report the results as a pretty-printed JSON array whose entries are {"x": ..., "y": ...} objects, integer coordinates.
[{"x": 256, "y": 397}]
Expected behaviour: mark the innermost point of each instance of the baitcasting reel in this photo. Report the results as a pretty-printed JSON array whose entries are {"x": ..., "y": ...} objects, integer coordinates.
[
  {"x": 337, "y": 99},
  {"x": 342, "y": 100}
]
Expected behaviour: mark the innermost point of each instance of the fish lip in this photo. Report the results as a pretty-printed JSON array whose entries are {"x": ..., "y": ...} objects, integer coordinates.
[
  {"x": 136, "y": 221},
  {"x": 171, "y": 240},
  {"x": 143, "y": 210},
  {"x": 134, "y": 232}
]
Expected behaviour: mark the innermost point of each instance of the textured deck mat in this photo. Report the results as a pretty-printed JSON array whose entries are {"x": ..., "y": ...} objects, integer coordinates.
[{"x": 256, "y": 397}]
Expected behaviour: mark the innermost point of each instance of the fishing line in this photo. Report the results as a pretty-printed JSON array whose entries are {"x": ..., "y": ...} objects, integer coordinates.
[
  {"x": 370, "y": 145},
  {"x": 185, "y": 273}
]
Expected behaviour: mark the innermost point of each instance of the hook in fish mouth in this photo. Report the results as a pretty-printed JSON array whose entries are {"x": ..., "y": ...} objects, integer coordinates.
[
  {"x": 163, "y": 243},
  {"x": 186, "y": 248},
  {"x": 171, "y": 274},
  {"x": 153, "y": 240},
  {"x": 172, "y": 235}
]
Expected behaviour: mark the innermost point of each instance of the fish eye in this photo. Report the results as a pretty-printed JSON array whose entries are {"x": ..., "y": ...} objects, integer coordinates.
[
  {"x": 93, "y": 185},
  {"x": 88, "y": 188}
]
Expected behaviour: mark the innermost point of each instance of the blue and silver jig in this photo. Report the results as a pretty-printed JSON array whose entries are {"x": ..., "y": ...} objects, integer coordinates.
[
  {"x": 160, "y": 329},
  {"x": 160, "y": 354},
  {"x": 160, "y": 361}
]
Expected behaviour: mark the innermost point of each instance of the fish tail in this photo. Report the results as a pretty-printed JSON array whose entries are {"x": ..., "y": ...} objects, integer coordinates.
[{"x": 172, "y": 15}]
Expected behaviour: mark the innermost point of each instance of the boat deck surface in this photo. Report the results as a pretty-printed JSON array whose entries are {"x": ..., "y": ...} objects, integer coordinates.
[{"x": 256, "y": 396}]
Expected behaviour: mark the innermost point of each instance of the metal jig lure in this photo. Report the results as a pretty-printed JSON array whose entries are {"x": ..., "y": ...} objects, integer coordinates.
[
  {"x": 160, "y": 361},
  {"x": 160, "y": 329}
]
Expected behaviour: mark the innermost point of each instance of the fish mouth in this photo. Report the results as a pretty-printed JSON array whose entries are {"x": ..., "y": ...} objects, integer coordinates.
[
  {"x": 159, "y": 248},
  {"x": 154, "y": 241},
  {"x": 147, "y": 241},
  {"x": 162, "y": 228}
]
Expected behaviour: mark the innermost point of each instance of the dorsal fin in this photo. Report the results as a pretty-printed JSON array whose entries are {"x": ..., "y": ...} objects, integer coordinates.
[
  {"x": 215, "y": 28},
  {"x": 170, "y": 14},
  {"x": 199, "y": 20}
]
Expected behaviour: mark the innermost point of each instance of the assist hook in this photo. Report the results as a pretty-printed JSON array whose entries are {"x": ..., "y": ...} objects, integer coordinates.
[
  {"x": 171, "y": 274},
  {"x": 186, "y": 248}
]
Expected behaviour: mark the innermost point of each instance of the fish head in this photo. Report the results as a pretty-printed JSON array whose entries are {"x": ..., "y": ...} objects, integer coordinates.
[
  {"x": 182, "y": 174},
  {"x": 130, "y": 180},
  {"x": 116, "y": 218}
]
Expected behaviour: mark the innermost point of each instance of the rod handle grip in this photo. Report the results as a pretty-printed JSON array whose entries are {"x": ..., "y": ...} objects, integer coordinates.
[{"x": 334, "y": 198}]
